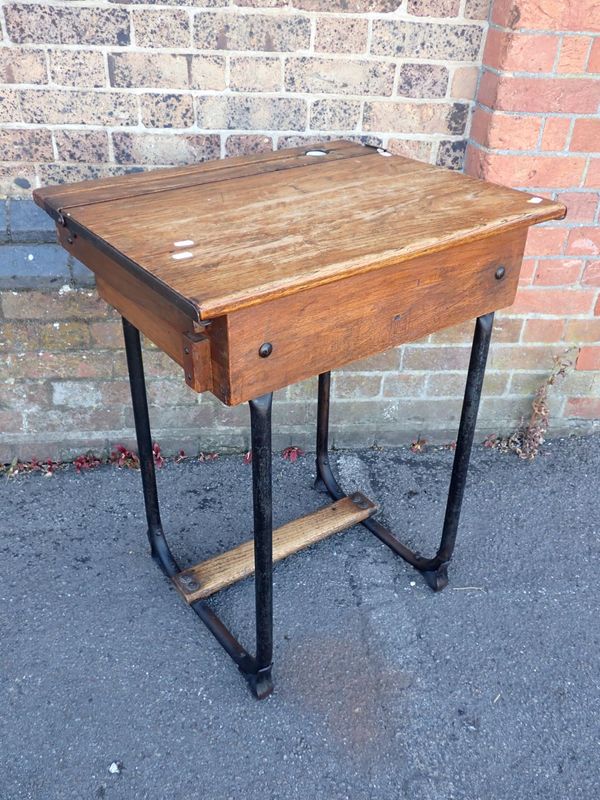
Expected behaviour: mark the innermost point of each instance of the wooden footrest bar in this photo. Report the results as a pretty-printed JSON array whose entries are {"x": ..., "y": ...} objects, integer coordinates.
[{"x": 208, "y": 577}]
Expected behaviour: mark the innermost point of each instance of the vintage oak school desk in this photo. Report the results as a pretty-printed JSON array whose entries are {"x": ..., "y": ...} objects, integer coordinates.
[{"x": 254, "y": 273}]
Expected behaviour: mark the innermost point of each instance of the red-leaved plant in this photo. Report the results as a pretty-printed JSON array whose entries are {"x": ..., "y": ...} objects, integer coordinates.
[
  {"x": 123, "y": 458},
  {"x": 86, "y": 461},
  {"x": 292, "y": 453}
]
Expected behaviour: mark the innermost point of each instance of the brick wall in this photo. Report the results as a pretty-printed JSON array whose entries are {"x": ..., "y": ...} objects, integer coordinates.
[
  {"x": 536, "y": 127},
  {"x": 98, "y": 89},
  {"x": 106, "y": 87}
]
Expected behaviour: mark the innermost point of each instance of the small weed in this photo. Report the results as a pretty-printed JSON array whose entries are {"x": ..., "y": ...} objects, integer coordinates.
[
  {"x": 247, "y": 457},
  {"x": 46, "y": 468},
  {"x": 181, "y": 456},
  {"x": 292, "y": 453},
  {"x": 527, "y": 440},
  {"x": 86, "y": 461},
  {"x": 123, "y": 458},
  {"x": 207, "y": 456},
  {"x": 159, "y": 459},
  {"x": 418, "y": 445}
]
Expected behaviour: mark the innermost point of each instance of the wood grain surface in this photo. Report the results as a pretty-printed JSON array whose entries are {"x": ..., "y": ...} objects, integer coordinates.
[
  {"x": 254, "y": 234},
  {"x": 208, "y": 577},
  {"x": 325, "y": 327}
]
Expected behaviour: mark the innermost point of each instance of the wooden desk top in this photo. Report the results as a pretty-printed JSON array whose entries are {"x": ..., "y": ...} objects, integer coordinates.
[{"x": 224, "y": 235}]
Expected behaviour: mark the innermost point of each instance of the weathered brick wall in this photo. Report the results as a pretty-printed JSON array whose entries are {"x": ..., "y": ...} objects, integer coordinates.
[
  {"x": 97, "y": 89},
  {"x": 536, "y": 127},
  {"x": 101, "y": 88}
]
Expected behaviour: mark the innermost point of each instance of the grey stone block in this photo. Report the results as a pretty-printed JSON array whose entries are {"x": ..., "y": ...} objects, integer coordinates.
[
  {"x": 32, "y": 266},
  {"x": 82, "y": 276},
  {"x": 3, "y": 222},
  {"x": 28, "y": 223}
]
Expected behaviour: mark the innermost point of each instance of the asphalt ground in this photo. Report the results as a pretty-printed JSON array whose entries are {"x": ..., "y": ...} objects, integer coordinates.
[{"x": 384, "y": 690}]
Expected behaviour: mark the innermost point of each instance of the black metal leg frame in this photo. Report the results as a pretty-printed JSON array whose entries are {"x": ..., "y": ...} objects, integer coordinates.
[{"x": 257, "y": 668}]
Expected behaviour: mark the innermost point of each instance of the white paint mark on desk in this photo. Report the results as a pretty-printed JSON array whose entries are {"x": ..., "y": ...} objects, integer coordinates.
[
  {"x": 184, "y": 243},
  {"x": 535, "y": 200},
  {"x": 182, "y": 254}
]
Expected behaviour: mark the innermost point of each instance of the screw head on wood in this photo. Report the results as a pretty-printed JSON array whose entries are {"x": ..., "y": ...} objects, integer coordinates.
[
  {"x": 500, "y": 273},
  {"x": 265, "y": 349}
]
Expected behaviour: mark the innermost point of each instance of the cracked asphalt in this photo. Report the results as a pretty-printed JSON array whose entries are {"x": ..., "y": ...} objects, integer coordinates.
[{"x": 384, "y": 690}]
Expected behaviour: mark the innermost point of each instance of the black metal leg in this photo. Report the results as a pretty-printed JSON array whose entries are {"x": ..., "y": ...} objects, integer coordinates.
[
  {"x": 260, "y": 416},
  {"x": 435, "y": 570},
  {"x": 158, "y": 545},
  {"x": 256, "y": 670}
]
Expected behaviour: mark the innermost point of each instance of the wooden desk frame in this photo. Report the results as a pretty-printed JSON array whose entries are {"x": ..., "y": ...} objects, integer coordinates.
[{"x": 396, "y": 248}]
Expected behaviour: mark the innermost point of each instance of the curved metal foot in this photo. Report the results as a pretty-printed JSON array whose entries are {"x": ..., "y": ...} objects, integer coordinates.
[
  {"x": 319, "y": 485},
  {"x": 261, "y": 683},
  {"x": 435, "y": 570},
  {"x": 437, "y": 579}
]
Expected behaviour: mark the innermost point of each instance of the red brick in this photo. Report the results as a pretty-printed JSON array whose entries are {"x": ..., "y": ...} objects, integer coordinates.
[
  {"x": 528, "y": 268},
  {"x": 584, "y": 242},
  {"x": 558, "y": 15},
  {"x": 581, "y": 206},
  {"x": 533, "y": 171},
  {"x": 589, "y": 358},
  {"x": 545, "y": 241},
  {"x": 592, "y": 179},
  {"x": 583, "y": 330},
  {"x": 520, "y": 52},
  {"x": 539, "y": 95},
  {"x": 591, "y": 274},
  {"x": 558, "y": 302},
  {"x": 558, "y": 272},
  {"x": 594, "y": 62},
  {"x": 556, "y": 132},
  {"x": 543, "y": 330},
  {"x": 583, "y": 407},
  {"x": 574, "y": 54},
  {"x": 586, "y": 135},
  {"x": 504, "y": 131}
]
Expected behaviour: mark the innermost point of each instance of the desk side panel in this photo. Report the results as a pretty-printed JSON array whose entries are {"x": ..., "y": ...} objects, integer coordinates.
[
  {"x": 328, "y": 326},
  {"x": 160, "y": 321}
]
